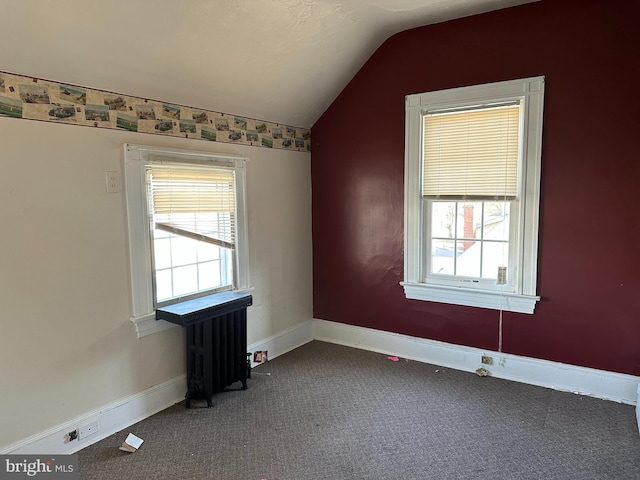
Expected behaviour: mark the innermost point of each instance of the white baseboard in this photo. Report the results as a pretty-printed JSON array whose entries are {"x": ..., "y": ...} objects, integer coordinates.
[
  {"x": 585, "y": 381},
  {"x": 121, "y": 414},
  {"x": 285, "y": 341},
  {"x": 638, "y": 409},
  {"x": 111, "y": 418}
]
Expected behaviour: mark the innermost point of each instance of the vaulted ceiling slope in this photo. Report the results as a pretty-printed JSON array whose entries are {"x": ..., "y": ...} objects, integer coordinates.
[{"x": 277, "y": 60}]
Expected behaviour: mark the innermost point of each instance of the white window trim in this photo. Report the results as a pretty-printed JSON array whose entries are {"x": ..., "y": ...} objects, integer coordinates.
[
  {"x": 524, "y": 299},
  {"x": 141, "y": 272}
]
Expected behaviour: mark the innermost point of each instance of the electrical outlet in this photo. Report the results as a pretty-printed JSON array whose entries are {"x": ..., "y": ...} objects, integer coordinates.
[
  {"x": 88, "y": 430},
  {"x": 487, "y": 360},
  {"x": 114, "y": 184}
]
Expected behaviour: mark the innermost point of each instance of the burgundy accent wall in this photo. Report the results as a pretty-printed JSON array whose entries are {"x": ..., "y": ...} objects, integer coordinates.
[{"x": 589, "y": 244}]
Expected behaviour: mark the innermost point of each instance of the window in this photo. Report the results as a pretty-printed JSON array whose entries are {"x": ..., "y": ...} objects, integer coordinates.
[
  {"x": 192, "y": 223},
  {"x": 187, "y": 227},
  {"x": 472, "y": 186}
]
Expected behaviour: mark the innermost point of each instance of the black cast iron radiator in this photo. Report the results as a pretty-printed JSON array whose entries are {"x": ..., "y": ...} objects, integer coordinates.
[{"x": 216, "y": 333}]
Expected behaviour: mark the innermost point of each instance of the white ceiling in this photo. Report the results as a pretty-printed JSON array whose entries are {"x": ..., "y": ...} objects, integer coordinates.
[{"x": 277, "y": 60}]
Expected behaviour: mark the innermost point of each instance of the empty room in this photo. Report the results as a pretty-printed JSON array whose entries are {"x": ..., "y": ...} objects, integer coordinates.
[{"x": 243, "y": 232}]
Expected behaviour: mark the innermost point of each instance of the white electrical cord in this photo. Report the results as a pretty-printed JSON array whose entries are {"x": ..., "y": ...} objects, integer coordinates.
[
  {"x": 501, "y": 280},
  {"x": 500, "y": 333}
]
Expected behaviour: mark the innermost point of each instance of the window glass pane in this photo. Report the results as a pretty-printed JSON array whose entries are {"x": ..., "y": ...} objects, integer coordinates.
[
  {"x": 496, "y": 221},
  {"x": 207, "y": 252},
  {"x": 185, "y": 280},
  {"x": 442, "y": 256},
  {"x": 162, "y": 251},
  {"x": 163, "y": 285},
  {"x": 495, "y": 254},
  {"x": 468, "y": 220},
  {"x": 209, "y": 275},
  {"x": 183, "y": 250},
  {"x": 226, "y": 266},
  {"x": 443, "y": 216},
  {"x": 157, "y": 234},
  {"x": 468, "y": 261}
]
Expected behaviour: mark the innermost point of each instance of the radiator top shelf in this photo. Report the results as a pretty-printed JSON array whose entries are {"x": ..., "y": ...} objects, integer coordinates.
[{"x": 201, "y": 309}]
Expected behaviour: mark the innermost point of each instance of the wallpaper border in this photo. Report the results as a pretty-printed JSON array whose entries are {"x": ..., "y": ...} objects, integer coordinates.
[{"x": 33, "y": 98}]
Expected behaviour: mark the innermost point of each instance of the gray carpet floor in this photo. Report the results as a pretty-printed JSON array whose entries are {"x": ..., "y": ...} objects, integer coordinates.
[{"x": 337, "y": 413}]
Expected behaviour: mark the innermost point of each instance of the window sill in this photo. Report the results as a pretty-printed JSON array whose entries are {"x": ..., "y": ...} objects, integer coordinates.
[
  {"x": 509, "y": 302},
  {"x": 147, "y": 324}
]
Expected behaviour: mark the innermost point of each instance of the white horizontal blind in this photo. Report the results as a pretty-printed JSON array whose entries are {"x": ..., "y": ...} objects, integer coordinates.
[
  {"x": 196, "y": 201},
  {"x": 471, "y": 154}
]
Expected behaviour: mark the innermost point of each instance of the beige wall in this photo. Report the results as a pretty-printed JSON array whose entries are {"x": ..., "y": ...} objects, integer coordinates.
[{"x": 67, "y": 346}]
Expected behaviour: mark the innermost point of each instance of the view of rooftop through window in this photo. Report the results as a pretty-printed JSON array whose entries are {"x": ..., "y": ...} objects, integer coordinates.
[{"x": 469, "y": 239}]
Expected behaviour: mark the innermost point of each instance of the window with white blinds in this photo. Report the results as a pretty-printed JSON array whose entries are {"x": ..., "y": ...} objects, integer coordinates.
[
  {"x": 192, "y": 209},
  {"x": 472, "y": 154},
  {"x": 186, "y": 213},
  {"x": 472, "y": 187}
]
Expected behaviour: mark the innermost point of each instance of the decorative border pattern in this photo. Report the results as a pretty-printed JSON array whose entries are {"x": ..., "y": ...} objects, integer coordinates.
[{"x": 36, "y": 99}]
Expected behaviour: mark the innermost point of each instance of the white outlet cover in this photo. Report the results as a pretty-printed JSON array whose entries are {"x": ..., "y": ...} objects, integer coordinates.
[{"x": 88, "y": 430}]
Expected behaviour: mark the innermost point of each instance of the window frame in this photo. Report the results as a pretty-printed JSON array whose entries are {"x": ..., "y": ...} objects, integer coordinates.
[
  {"x": 521, "y": 296},
  {"x": 139, "y": 235}
]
